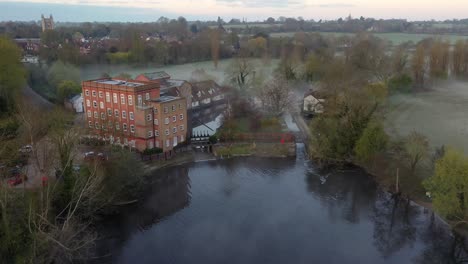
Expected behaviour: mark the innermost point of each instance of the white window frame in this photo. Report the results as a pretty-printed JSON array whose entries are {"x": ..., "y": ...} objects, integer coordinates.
[
  {"x": 156, "y": 133},
  {"x": 174, "y": 130},
  {"x": 89, "y": 113},
  {"x": 93, "y": 93},
  {"x": 149, "y": 117},
  {"x": 122, "y": 99},
  {"x": 166, "y": 120},
  {"x": 150, "y": 133},
  {"x": 95, "y": 105},
  {"x": 96, "y": 115},
  {"x": 87, "y": 92},
  {"x": 124, "y": 127},
  {"x": 124, "y": 114},
  {"x": 103, "y": 115},
  {"x": 156, "y": 122},
  {"x": 181, "y": 117},
  {"x": 130, "y": 100},
  {"x": 147, "y": 96},
  {"x": 131, "y": 115},
  {"x": 101, "y": 105},
  {"x": 167, "y": 132},
  {"x": 181, "y": 128},
  {"x": 174, "y": 119},
  {"x": 114, "y": 98},
  {"x": 116, "y": 112},
  {"x": 132, "y": 128},
  {"x": 109, "y": 112},
  {"x": 101, "y": 94},
  {"x": 107, "y": 97},
  {"x": 88, "y": 103}
]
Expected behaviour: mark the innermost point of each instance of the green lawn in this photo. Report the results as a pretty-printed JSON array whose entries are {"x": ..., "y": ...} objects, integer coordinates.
[
  {"x": 395, "y": 38},
  {"x": 441, "y": 114},
  {"x": 182, "y": 71}
]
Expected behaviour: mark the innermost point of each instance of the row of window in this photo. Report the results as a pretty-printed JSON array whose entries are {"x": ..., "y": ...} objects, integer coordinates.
[
  {"x": 115, "y": 98},
  {"x": 174, "y": 130},
  {"x": 166, "y": 120},
  {"x": 173, "y": 107},
  {"x": 104, "y": 126},
  {"x": 109, "y": 113},
  {"x": 175, "y": 140}
]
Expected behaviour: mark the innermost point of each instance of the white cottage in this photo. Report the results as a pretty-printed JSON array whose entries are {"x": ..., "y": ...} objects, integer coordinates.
[{"x": 313, "y": 104}]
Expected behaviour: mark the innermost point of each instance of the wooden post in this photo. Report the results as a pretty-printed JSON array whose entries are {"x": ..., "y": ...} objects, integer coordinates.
[{"x": 397, "y": 186}]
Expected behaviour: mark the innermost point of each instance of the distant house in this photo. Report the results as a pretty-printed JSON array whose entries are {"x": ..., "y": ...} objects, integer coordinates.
[
  {"x": 169, "y": 87},
  {"x": 75, "y": 103},
  {"x": 205, "y": 93},
  {"x": 313, "y": 103},
  {"x": 29, "y": 46}
]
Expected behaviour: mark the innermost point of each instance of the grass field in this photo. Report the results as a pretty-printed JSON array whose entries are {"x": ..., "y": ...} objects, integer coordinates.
[
  {"x": 395, "y": 38},
  {"x": 182, "y": 71},
  {"x": 441, "y": 114}
]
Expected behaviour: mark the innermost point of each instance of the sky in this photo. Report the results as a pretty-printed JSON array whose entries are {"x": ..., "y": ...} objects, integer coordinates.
[{"x": 252, "y": 10}]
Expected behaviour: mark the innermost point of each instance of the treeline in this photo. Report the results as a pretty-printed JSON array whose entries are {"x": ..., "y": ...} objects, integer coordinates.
[{"x": 355, "y": 86}]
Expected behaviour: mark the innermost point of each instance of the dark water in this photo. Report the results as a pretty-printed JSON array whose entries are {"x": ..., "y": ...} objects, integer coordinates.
[{"x": 275, "y": 211}]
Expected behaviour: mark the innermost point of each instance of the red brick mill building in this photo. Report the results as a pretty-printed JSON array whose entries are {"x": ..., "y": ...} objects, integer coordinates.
[{"x": 132, "y": 113}]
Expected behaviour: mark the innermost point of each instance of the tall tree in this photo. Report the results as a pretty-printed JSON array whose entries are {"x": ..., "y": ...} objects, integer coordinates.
[
  {"x": 214, "y": 42},
  {"x": 12, "y": 74},
  {"x": 439, "y": 59},
  {"x": 418, "y": 65}
]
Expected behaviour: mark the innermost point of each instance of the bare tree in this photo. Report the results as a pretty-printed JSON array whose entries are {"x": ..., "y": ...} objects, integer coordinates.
[
  {"x": 240, "y": 71},
  {"x": 417, "y": 148},
  {"x": 275, "y": 96}
]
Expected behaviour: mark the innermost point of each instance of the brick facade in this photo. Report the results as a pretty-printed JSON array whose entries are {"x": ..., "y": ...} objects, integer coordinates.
[{"x": 125, "y": 112}]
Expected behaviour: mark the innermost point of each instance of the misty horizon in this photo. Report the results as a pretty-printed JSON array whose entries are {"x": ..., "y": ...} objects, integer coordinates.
[{"x": 148, "y": 11}]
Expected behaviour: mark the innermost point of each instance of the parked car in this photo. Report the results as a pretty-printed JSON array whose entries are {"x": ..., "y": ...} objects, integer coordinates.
[
  {"x": 15, "y": 181},
  {"x": 89, "y": 155},
  {"x": 26, "y": 149},
  {"x": 15, "y": 171}
]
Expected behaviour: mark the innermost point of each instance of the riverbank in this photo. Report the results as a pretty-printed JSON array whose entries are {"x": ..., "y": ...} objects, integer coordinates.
[{"x": 264, "y": 150}]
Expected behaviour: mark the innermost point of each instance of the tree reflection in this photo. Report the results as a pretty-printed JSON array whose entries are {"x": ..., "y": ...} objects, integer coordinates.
[
  {"x": 442, "y": 246},
  {"x": 393, "y": 227},
  {"x": 347, "y": 194},
  {"x": 169, "y": 194}
]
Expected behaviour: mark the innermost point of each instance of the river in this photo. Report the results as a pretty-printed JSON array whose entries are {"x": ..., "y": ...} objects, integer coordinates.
[{"x": 249, "y": 210}]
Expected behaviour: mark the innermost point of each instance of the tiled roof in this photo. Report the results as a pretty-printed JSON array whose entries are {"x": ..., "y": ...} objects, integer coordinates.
[{"x": 157, "y": 75}]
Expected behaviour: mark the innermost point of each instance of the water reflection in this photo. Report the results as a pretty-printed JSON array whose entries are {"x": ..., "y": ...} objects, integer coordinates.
[
  {"x": 347, "y": 194},
  {"x": 395, "y": 223},
  {"x": 277, "y": 211}
]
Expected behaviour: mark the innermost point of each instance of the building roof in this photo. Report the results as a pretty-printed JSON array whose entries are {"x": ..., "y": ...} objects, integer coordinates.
[
  {"x": 313, "y": 93},
  {"x": 157, "y": 75},
  {"x": 120, "y": 82},
  {"x": 165, "y": 98},
  {"x": 205, "y": 89}
]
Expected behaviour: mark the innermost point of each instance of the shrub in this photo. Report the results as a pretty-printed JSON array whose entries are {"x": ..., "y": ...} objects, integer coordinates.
[
  {"x": 152, "y": 151},
  {"x": 373, "y": 140}
]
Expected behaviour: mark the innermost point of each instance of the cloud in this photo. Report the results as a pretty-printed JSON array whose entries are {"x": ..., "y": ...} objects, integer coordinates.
[{"x": 336, "y": 5}]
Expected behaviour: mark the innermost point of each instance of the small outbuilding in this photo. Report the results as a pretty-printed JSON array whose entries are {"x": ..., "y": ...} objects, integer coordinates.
[{"x": 312, "y": 103}]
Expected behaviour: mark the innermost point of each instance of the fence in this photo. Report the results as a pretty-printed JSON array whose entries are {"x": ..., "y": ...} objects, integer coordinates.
[{"x": 261, "y": 137}]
